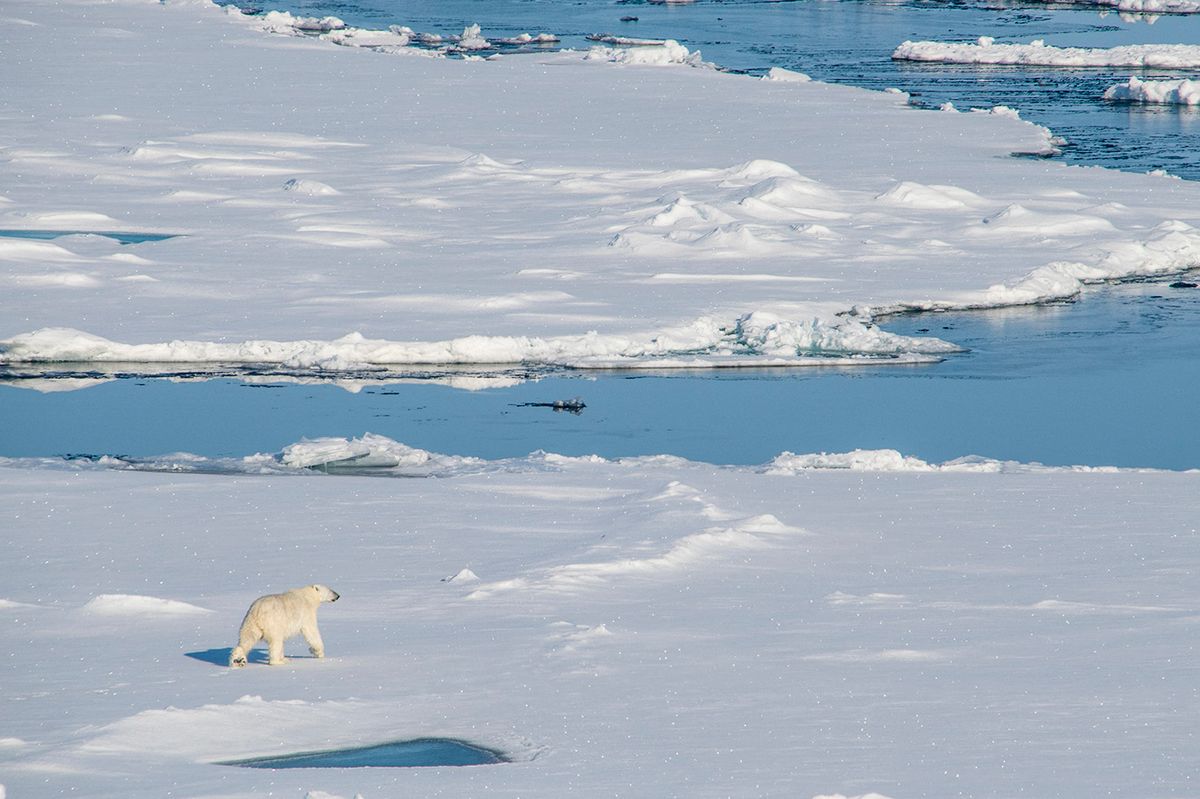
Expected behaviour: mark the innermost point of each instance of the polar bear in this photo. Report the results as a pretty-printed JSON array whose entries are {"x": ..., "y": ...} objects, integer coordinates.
[{"x": 278, "y": 617}]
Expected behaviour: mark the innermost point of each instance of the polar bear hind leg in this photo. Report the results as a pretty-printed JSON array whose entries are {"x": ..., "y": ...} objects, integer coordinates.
[{"x": 247, "y": 638}]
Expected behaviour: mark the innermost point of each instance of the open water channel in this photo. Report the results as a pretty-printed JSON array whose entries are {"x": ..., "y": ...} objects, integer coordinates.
[{"x": 1109, "y": 380}]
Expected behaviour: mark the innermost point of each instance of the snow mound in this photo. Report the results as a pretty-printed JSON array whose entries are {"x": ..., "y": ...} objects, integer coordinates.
[
  {"x": 760, "y": 169},
  {"x": 1016, "y": 218},
  {"x": 1164, "y": 92},
  {"x": 1037, "y": 53},
  {"x": 310, "y": 188},
  {"x": 788, "y": 191},
  {"x": 462, "y": 576},
  {"x": 136, "y": 605},
  {"x": 934, "y": 198}
]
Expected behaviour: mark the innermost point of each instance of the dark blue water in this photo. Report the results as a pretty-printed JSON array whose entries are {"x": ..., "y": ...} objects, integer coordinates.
[
  {"x": 121, "y": 238},
  {"x": 401, "y": 754},
  {"x": 851, "y": 41},
  {"x": 1109, "y": 380}
]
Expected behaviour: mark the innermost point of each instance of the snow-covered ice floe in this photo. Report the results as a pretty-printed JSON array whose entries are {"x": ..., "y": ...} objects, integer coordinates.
[
  {"x": 600, "y": 214},
  {"x": 1137, "y": 6},
  {"x": 752, "y": 340},
  {"x": 1162, "y": 92},
  {"x": 714, "y": 628},
  {"x": 986, "y": 51}
]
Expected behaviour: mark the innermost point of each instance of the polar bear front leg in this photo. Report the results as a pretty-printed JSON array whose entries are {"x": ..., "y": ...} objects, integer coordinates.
[
  {"x": 275, "y": 650},
  {"x": 313, "y": 636}
]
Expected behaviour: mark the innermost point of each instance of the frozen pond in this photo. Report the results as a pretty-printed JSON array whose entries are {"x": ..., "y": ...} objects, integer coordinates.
[
  {"x": 1108, "y": 380},
  {"x": 851, "y": 42}
]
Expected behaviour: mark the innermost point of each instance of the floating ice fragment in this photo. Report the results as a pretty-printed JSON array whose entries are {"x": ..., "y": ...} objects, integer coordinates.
[
  {"x": 786, "y": 76},
  {"x": 1160, "y": 92},
  {"x": 670, "y": 52},
  {"x": 471, "y": 39},
  {"x": 1038, "y": 53}
]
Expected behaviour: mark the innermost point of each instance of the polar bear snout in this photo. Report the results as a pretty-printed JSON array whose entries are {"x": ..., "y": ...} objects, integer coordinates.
[{"x": 325, "y": 593}]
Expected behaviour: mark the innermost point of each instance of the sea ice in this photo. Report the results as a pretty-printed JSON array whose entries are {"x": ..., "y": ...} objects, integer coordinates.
[
  {"x": 1038, "y": 53},
  {"x": 1164, "y": 92}
]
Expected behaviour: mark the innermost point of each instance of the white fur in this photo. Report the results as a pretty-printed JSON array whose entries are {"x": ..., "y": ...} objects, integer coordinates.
[{"x": 278, "y": 617}]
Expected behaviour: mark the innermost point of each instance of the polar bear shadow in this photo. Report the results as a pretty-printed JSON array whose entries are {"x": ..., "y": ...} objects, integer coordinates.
[{"x": 220, "y": 657}]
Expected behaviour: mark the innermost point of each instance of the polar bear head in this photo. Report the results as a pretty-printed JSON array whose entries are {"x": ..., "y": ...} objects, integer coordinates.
[{"x": 323, "y": 592}]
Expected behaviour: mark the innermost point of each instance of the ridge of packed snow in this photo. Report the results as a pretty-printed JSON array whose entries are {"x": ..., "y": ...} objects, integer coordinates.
[
  {"x": 380, "y": 455},
  {"x": 750, "y": 336}
]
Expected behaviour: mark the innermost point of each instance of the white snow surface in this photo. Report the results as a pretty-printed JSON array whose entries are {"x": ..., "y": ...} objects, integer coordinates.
[
  {"x": 647, "y": 627},
  {"x": 551, "y": 208},
  {"x": 858, "y": 624},
  {"x": 1163, "y": 92},
  {"x": 1038, "y": 53}
]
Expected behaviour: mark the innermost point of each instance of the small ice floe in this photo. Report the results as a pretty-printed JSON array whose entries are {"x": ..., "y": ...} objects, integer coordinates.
[
  {"x": 786, "y": 76},
  {"x": 283, "y": 22},
  {"x": 668, "y": 53},
  {"x": 1141, "y": 6},
  {"x": 525, "y": 38},
  {"x": 1158, "y": 92},
  {"x": 624, "y": 41},
  {"x": 1038, "y": 53},
  {"x": 471, "y": 39},
  {"x": 394, "y": 36},
  {"x": 574, "y": 405}
]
